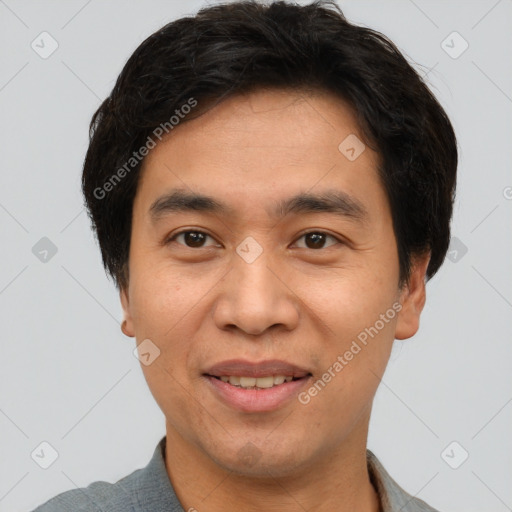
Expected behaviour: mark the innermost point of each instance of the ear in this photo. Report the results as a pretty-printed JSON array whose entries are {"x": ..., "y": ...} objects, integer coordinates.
[
  {"x": 127, "y": 324},
  {"x": 412, "y": 299}
]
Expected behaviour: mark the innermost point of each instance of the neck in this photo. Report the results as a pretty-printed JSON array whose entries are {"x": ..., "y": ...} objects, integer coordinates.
[{"x": 338, "y": 480}]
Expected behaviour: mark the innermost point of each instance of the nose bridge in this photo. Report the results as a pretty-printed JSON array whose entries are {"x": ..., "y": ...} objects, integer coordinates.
[
  {"x": 255, "y": 279},
  {"x": 254, "y": 298}
]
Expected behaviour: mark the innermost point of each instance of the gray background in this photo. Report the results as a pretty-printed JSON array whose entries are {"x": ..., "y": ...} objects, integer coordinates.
[{"x": 68, "y": 375}]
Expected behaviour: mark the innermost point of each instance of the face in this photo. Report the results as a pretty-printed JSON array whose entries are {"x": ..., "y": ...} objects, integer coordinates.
[{"x": 255, "y": 282}]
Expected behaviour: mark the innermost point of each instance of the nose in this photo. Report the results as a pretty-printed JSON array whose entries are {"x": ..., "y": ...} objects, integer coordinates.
[{"x": 254, "y": 297}]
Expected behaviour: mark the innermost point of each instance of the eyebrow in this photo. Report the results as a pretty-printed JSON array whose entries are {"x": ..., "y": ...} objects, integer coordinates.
[{"x": 329, "y": 201}]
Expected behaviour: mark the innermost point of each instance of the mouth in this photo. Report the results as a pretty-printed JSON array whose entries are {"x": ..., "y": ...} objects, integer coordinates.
[
  {"x": 256, "y": 387},
  {"x": 266, "y": 382}
]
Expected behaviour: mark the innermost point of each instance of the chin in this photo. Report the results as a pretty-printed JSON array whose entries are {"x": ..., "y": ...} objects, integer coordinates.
[{"x": 261, "y": 461}]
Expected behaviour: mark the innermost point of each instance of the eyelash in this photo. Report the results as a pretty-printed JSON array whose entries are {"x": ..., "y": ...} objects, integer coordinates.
[{"x": 173, "y": 237}]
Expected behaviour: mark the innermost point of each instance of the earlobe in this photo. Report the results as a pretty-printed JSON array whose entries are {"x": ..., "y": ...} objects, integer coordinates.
[
  {"x": 412, "y": 299},
  {"x": 127, "y": 323}
]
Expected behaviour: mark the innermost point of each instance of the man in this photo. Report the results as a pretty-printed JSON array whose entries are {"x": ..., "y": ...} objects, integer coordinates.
[{"x": 271, "y": 187}]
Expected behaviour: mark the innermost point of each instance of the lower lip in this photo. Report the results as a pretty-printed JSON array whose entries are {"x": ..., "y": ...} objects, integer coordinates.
[{"x": 257, "y": 400}]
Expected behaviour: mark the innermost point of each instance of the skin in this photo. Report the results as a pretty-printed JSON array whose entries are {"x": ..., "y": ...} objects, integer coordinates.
[{"x": 203, "y": 305}]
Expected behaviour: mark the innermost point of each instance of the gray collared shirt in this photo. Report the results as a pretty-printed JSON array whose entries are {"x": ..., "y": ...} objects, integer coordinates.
[{"x": 150, "y": 490}]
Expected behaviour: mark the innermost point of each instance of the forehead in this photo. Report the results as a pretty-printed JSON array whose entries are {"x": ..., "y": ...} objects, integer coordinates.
[
  {"x": 267, "y": 143},
  {"x": 290, "y": 122}
]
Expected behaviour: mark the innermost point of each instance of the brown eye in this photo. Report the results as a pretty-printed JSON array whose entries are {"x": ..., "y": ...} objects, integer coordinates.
[
  {"x": 191, "y": 239},
  {"x": 317, "y": 239}
]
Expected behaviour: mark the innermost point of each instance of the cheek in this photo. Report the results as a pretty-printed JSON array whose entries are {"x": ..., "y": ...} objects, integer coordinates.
[
  {"x": 353, "y": 367},
  {"x": 171, "y": 307},
  {"x": 167, "y": 310},
  {"x": 345, "y": 302},
  {"x": 161, "y": 299},
  {"x": 360, "y": 312},
  {"x": 159, "y": 312}
]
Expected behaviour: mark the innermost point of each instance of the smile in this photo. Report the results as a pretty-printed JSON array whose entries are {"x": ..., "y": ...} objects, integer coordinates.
[{"x": 256, "y": 382}]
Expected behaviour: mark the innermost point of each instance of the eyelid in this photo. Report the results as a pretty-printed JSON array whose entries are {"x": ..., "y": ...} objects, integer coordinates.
[
  {"x": 319, "y": 232},
  {"x": 172, "y": 237}
]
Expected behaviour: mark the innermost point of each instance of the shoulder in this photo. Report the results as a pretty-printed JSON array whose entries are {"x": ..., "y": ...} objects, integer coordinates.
[
  {"x": 99, "y": 496},
  {"x": 146, "y": 489},
  {"x": 393, "y": 497}
]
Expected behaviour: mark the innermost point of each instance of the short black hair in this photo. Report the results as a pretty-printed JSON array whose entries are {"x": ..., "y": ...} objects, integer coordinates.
[{"x": 234, "y": 48}]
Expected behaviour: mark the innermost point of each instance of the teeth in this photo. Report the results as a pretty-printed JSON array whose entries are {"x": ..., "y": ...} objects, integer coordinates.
[
  {"x": 247, "y": 382},
  {"x": 263, "y": 382},
  {"x": 257, "y": 383}
]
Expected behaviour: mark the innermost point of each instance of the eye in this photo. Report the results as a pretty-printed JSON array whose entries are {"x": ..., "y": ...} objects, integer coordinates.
[
  {"x": 316, "y": 239},
  {"x": 191, "y": 239},
  {"x": 196, "y": 239}
]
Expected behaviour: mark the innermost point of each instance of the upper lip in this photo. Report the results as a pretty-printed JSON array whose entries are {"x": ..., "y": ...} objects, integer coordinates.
[{"x": 244, "y": 368}]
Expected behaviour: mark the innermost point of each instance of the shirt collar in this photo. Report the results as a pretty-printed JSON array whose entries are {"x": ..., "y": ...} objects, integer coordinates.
[
  {"x": 392, "y": 496},
  {"x": 156, "y": 494},
  {"x": 154, "y": 491}
]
